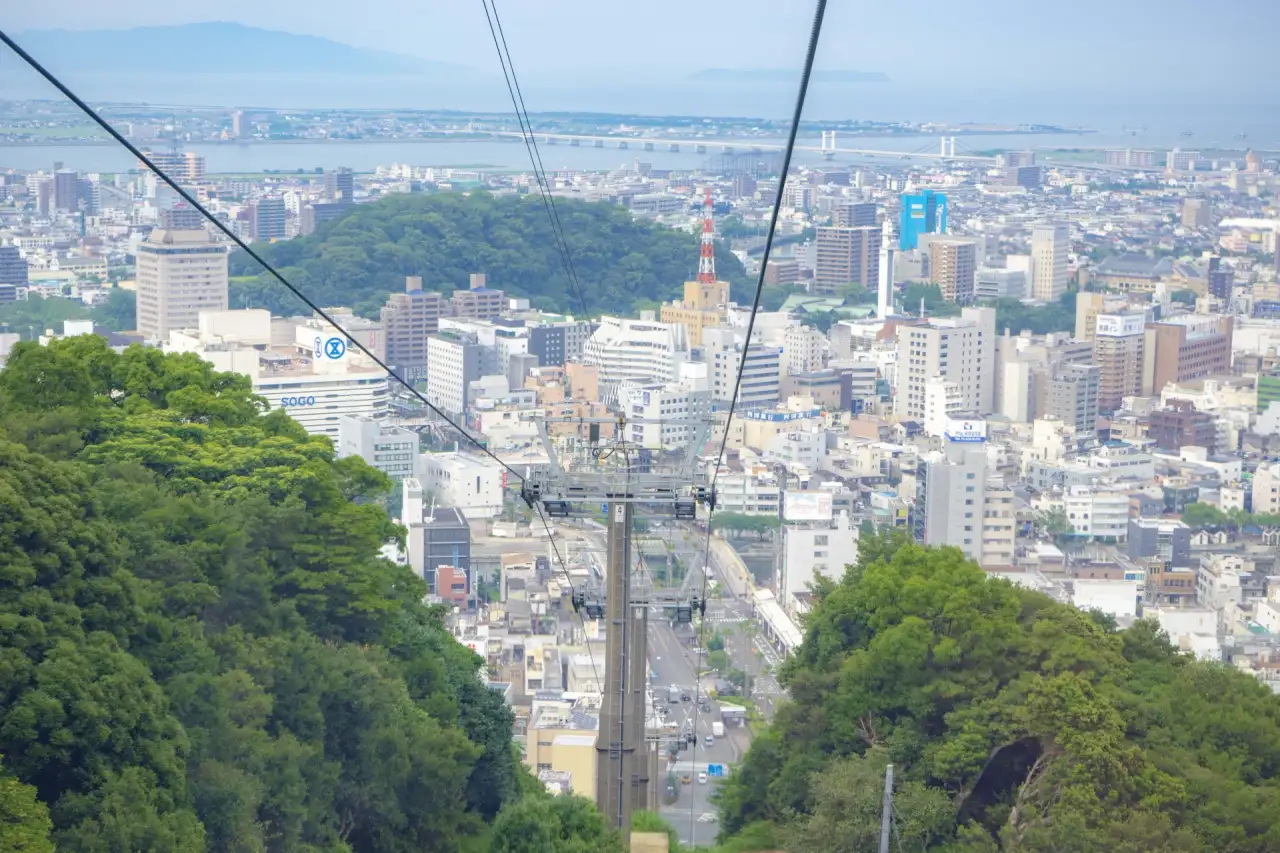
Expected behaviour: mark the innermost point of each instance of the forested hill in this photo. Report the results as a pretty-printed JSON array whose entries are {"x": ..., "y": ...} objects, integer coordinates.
[
  {"x": 200, "y": 646},
  {"x": 444, "y": 237},
  {"x": 1015, "y": 725}
]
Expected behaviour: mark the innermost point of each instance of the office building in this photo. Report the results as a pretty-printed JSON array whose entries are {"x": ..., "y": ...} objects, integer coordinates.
[
  {"x": 407, "y": 320},
  {"x": 677, "y": 406},
  {"x": 1196, "y": 213},
  {"x": 339, "y": 186},
  {"x": 438, "y": 535},
  {"x": 267, "y": 218},
  {"x": 1050, "y": 244},
  {"x": 846, "y": 256},
  {"x": 953, "y": 266},
  {"x": 705, "y": 304},
  {"x": 782, "y": 271},
  {"x": 960, "y": 350},
  {"x": 454, "y": 360},
  {"x": 921, "y": 213},
  {"x": 1179, "y": 425},
  {"x": 1027, "y": 177},
  {"x": 643, "y": 351},
  {"x": 951, "y": 487},
  {"x": 854, "y": 214},
  {"x": 13, "y": 267},
  {"x": 389, "y": 448},
  {"x": 478, "y": 301},
  {"x": 997, "y": 283},
  {"x": 1073, "y": 396},
  {"x": 821, "y": 547},
  {"x": 760, "y": 384},
  {"x": 179, "y": 275},
  {"x": 1118, "y": 345},
  {"x": 180, "y": 217},
  {"x": 1189, "y": 346}
]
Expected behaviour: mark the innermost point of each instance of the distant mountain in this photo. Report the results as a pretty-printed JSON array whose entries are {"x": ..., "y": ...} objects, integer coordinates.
[
  {"x": 212, "y": 48},
  {"x": 783, "y": 75}
]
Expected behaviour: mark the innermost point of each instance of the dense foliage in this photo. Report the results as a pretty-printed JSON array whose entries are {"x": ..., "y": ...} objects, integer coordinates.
[
  {"x": 30, "y": 317},
  {"x": 200, "y": 646},
  {"x": 1014, "y": 723},
  {"x": 1201, "y": 515},
  {"x": 359, "y": 259}
]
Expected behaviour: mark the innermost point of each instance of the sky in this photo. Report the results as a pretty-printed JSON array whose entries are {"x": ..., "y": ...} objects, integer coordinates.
[{"x": 1130, "y": 47}]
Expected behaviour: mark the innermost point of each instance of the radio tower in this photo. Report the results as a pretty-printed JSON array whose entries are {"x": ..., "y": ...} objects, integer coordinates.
[{"x": 707, "y": 261}]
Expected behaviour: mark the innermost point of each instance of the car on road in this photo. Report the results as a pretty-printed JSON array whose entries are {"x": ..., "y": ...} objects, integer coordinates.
[
  {"x": 686, "y": 778},
  {"x": 702, "y": 777},
  {"x": 708, "y": 741}
]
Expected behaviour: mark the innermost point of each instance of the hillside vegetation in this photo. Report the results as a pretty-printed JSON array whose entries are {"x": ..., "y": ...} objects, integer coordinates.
[
  {"x": 1014, "y": 724},
  {"x": 200, "y": 646},
  {"x": 622, "y": 263}
]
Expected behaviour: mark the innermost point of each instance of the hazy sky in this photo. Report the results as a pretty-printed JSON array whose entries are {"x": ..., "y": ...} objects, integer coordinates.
[{"x": 1166, "y": 46}]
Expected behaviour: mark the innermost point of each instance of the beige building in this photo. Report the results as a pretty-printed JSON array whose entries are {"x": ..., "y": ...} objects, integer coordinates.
[
  {"x": 1196, "y": 213},
  {"x": 179, "y": 274},
  {"x": 705, "y": 304},
  {"x": 407, "y": 319},
  {"x": 1190, "y": 346},
  {"x": 953, "y": 266},
  {"x": 1050, "y": 244},
  {"x": 1266, "y": 490},
  {"x": 1088, "y": 307},
  {"x": 1118, "y": 348},
  {"x": 478, "y": 302},
  {"x": 561, "y": 738},
  {"x": 847, "y": 256}
]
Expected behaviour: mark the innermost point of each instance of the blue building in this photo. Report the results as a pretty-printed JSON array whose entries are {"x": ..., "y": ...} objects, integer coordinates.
[{"x": 922, "y": 213}]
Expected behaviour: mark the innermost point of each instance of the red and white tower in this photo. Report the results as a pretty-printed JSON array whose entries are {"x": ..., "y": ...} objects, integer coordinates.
[{"x": 707, "y": 260}]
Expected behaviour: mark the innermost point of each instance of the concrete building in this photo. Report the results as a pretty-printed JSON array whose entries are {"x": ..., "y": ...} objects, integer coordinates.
[
  {"x": 1196, "y": 213},
  {"x": 886, "y": 267},
  {"x": 561, "y": 740},
  {"x": 389, "y": 448},
  {"x": 1096, "y": 513},
  {"x": 680, "y": 408},
  {"x": 953, "y": 266},
  {"x": 1266, "y": 489},
  {"x": 470, "y": 483},
  {"x": 179, "y": 275},
  {"x": 1050, "y": 245},
  {"x": 920, "y": 214},
  {"x": 642, "y": 351},
  {"x": 1189, "y": 346},
  {"x": 1118, "y": 348},
  {"x": 267, "y": 216},
  {"x": 782, "y": 271},
  {"x": 854, "y": 214},
  {"x": 339, "y": 186},
  {"x": 993, "y": 283},
  {"x": 812, "y": 548},
  {"x": 1073, "y": 396},
  {"x": 455, "y": 360},
  {"x": 846, "y": 256},
  {"x": 438, "y": 535},
  {"x": 13, "y": 267},
  {"x": 408, "y": 319},
  {"x": 66, "y": 190},
  {"x": 705, "y": 304},
  {"x": 761, "y": 374},
  {"x": 478, "y": 301},
  {"x": 961, "y": 350},
  {"x": 951, "y": 486},
  {"x": 1180, "y": 425}
]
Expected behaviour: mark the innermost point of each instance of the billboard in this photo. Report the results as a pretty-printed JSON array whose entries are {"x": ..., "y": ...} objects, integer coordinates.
[
  {"x": 965, "y": 430},
  {"x": 806, "y": 506},
  {"x": 1120, "y": 325}
]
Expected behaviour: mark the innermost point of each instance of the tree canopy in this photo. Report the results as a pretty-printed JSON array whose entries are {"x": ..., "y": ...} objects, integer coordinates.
[
  {"x": 202, "y": 647},
  {"x": 444, "y": 237},
  {"x": 1014, "y": 724}
]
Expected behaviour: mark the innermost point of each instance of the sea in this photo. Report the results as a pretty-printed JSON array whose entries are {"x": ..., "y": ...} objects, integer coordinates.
[{"x": 1112, "y": 118}]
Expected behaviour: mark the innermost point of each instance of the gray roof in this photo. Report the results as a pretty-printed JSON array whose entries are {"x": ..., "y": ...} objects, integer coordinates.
[{"x": 1136, "y": 264}]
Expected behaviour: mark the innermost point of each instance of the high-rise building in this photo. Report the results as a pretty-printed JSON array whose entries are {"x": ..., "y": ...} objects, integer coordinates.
[
  {"x": 181, "y": 217},
  {"x": 66, "y": 190},
  {"x": 1088, "y": 306},
  {"x": 407, "y": 320},
  {"x": 179, "y": 274},
  {"x": 1073, "y": 396},
  {"x": 1050, "y": 243},
  {"x": 951, "y": 490},
  {"x": 846, "y": 256},
  {"x": 182, "y": 166},
  {"x": 922, "y": 213},
  {"x": 13, "y": 267},
  {"x": 1189, "y": 346},
  {"x": 1222, "y": 279},
  {"x": 1118, "y": 345},
  {"x": 760, "y": 384},
  {"x": 1196, "y": 213},
  {"x": 477, "y": 302},
  {"x": 339, "y": 186},
  {"x": 455, "y": 359},
  {"x": 238, "y": 127},
  {"x": 268, "y": 219},
  {"x": 961, "y": 350},
  {"x": 885, "y": 271},
  {"x": 854, "y": 214},
  {"x": 705, "y": 304},
  {"x": 953, "y": 266}
]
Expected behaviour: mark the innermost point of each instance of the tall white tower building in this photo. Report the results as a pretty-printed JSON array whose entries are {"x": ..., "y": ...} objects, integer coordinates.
[
  {"x": 179, "y": 275},
  {"x": 884, "y": 302}
]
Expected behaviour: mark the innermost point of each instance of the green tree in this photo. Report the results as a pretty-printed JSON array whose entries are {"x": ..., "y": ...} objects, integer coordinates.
[
  {"x": 1201, "y": 515},
  {"x": 564, "y": 824},
  {"x": 24, "y": 820}
]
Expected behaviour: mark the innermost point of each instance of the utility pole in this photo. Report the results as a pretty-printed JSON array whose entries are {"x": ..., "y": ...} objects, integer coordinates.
[
  {"x": 616, "y": 740},
  {"x": 886, "y": 818}
]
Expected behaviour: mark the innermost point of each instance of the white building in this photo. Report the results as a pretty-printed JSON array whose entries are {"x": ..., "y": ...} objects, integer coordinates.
[
  {"x": 761, "y": 374},
  {"x": 804, "y": 350},
  {"x": 179, "y": 275},
  {"x": 1050, "y": 244},
  {"x": 749, "y": 495},
  {"x": 304, "y": 368},
  {"x": 813, "y": 548},
  {"x": 679, "y": 408},
  {"x": 960, "y": 349},
  {"x": 469, "y": 483},
  {"x": 951, "y": 487},
  {"x": 454, "y": 361},
  {"x": 644, "y": 351},
  {"x": 389, "y": 448},
  {"x": 1097, "y": 513},
  {"x": 1000, "y": 283}
]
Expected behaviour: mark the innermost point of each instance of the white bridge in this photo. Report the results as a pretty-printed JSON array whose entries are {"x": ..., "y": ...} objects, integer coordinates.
[{"x": 828, "y": 148}]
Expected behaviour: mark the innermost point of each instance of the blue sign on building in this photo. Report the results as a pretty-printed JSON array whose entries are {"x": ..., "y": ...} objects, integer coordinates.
[{"x": 335, "y": 347}]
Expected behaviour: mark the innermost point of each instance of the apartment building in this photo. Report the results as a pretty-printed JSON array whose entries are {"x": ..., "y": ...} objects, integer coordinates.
[
  {"x": 953, "y": 266},
  {"x": 961, "y": 350},
  {"x": 846, "y": 256}
]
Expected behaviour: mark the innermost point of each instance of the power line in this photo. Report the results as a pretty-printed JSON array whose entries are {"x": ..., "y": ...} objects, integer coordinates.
[
  {"x": 190, "y": 199},
  {"x": 810, "y": 53},
  {"x": 531, "y": 145}
]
